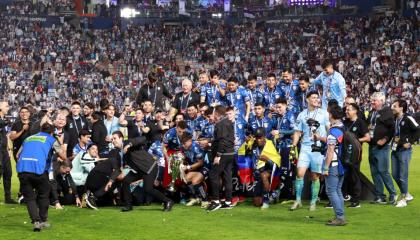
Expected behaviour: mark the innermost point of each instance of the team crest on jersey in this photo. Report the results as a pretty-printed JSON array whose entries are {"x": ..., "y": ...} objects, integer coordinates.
[
  {"x": 265, "y": 125},
  {"x": 240, "y": 126},
  {"x": 238, "y": 96},
  {"x": 402, "y": 123},
  {"x": 71, "y": 125},
  {"x": 354, "y": 129},
  {"x": 294, "y": 87}
]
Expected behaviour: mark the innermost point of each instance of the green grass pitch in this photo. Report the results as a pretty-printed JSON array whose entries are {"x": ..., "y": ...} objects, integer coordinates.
[{"x": 242, "y": 222}]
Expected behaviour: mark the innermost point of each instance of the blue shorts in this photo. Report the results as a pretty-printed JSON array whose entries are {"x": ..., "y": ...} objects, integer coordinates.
[{"x": 309, "y": 159}]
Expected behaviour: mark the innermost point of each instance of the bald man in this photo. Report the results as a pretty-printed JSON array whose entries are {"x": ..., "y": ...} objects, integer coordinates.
[
  {"x": 183, "y": 99},
  {"x": 5, "y": 165}
]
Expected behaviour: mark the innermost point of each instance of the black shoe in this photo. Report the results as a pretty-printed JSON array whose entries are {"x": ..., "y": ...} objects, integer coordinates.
[
  {"x": 354, "y": 205},
  {"x": 168, "y": 206},
  {"x": 213, "y": 206},
  {"x": 329, "y": 205},
  {"x": 10, "y": 201},
  {"x": 91, "y": 201},
  {"x": 378, "y": 201},
  {"x": 37, "y": 226},
  {"x": 126, "y": 209},
  {"x": 225, "y": 205}
]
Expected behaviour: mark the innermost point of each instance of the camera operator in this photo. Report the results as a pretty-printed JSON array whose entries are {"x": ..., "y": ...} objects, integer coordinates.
[
  {"x": 312, "y": 125},
  {"x": 5, "y": 165}
]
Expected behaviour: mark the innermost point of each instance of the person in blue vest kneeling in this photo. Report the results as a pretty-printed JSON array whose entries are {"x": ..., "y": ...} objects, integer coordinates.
[{"x": 34, "y": 161}]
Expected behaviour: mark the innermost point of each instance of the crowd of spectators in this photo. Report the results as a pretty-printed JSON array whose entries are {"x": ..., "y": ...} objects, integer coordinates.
[{"x": 50, "y": 67}]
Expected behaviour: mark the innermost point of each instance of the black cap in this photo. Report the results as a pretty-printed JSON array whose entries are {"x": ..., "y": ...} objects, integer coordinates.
[{"x": 260, "y": 132}]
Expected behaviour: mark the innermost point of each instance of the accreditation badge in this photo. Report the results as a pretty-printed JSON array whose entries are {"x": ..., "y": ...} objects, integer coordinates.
[
  {"x": 328, "y": 94},
  {"x": 371, "y": 130},
  {"x": 395, "y": 143}
]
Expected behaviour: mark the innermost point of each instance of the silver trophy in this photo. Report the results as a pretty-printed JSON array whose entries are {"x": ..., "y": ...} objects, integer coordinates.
[{"x": 174, "y": 168}]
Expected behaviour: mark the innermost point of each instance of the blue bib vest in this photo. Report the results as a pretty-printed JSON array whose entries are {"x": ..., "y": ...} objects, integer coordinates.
[{"x": 34, "y": 157}]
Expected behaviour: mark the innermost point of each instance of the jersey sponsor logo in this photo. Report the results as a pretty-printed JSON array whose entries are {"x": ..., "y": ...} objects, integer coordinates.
[{"x": 42, "y": 139}]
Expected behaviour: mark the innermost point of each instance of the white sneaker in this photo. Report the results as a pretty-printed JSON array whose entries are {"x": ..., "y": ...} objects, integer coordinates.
[
  {"x": 409, "y": 197},
  {"x": 401, "y": 203},
  {"x": 347, "y": 198},
  {"x": 193, "y": 202},
  {"x": 296, "y": 205},
  {"x": 205, "y": 204},
  {"x": 265, "y": 206},
  {"x": 312, "y": 207}
]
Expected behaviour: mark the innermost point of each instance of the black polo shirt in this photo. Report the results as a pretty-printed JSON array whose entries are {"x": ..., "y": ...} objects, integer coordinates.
[
  {"x": 182, "y": 101},
  {"x": 17, "y": 127},
  {"x": 358, "y": 127}
]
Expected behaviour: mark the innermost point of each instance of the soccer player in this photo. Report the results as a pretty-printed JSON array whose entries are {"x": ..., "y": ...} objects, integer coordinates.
[
  {"x": 259, "y": 120},
  {"x": 238, "y": 98},
  {"x": 312, "y": 125},
  {"x": 263, "y": 167},
  {"x": 171, "y": 139},
  {"x": 255, "y": 95},
  {"x": 283, "y": 130},
  {"x": 271, "y": 92},
  {"x": 304, "y": 88},
  {"x": 289, "y": 89},
  {"x": 84, "y": 140},
  {"x": 194, "y": 170},
  {"x": 332, "y": 83},
  {"x": 193, "y": 119},
  {"x": 214, "y": 91}
]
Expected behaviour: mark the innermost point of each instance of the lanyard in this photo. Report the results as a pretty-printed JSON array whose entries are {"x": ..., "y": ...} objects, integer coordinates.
[
  {"x": 188, "y": 100},
  {"x": 138, "y": 127},
  {"x": 112, "y": 126},
  {"x": 213, "y": 91},
  {"x": 148, "y": 93},
  {"x": 251, "y": 95},
  {"x": 397, "y": 126},
  {"x": 280, "y": 123},
  {"x": 75, "y": 125},
  {"x": 304, "y": 99},
  {"x": 232, "y": 98},
  {"x": 260, "y": 122},
  {"x": 314, "y": 115},
  {"x": 288, "y": 88},
  {"x": 373, "y": 118}
]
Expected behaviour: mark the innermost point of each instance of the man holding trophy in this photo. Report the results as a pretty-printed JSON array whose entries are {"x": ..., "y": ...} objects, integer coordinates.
[{"x": 193, "y": 172}]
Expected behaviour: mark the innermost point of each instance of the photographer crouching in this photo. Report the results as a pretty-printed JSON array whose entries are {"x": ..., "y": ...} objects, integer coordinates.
[{"x": 312, "y": 125}]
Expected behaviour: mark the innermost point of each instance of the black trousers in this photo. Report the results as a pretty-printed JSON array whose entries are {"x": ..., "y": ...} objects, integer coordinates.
[
  {"x": 6, "y": 173},
  {"x": 148, "y": 180},
  {"x": 64, "y": 195},
  {"x": 38, "y": 203},
  {"x": 223, "y": 169},
  {"x": 95, "y": 183},
  {"x": 352, "y": 184}
]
